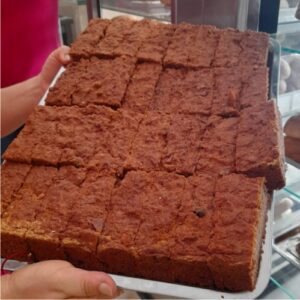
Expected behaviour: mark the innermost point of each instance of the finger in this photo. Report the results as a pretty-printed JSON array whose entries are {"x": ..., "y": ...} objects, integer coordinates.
[
  {"x": 54, "y": 62},
  {"x": 60, "y": 55},
  {"x": 79, "y": 283},
  {"x": 63, "y": 54}
]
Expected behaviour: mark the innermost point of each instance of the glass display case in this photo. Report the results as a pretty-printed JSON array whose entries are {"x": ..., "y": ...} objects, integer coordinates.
[
  {"x": 285, "y": 275},
  {"x": 288, "y": 35},
  {"x": 154, "y": 9}
]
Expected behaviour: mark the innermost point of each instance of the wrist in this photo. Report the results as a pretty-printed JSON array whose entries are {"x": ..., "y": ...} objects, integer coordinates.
[{"x": 42, "y": 84}]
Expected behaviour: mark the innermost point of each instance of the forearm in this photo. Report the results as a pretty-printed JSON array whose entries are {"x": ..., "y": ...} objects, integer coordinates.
[{"x": 18, "y": 101}]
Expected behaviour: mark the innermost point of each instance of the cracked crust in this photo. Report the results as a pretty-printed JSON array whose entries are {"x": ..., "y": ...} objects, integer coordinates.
[{"x": 116, "y": 167}]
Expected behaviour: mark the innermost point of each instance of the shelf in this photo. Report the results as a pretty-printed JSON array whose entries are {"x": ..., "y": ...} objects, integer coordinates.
[
  {"x": 289, "y": 104},
  {"x": 287, "y": 15},
  {"x": 289, "y": 38}
]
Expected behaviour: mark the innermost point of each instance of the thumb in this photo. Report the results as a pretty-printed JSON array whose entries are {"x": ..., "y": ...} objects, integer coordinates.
[
  {"x": 78, "y": 283},
  {"x": 55, "y": 60}
]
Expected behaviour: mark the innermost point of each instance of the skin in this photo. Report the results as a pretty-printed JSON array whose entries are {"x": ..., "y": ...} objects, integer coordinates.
[
  {"x": 19, "y": 100},
  {"x": 53, "y": 279},
  {"x": 57, "y": 279}
]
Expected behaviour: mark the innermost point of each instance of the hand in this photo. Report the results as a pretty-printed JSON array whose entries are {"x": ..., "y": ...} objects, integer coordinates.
[
  {"x": 57, "y": 279},
  {"x": 58, "y": 58}
]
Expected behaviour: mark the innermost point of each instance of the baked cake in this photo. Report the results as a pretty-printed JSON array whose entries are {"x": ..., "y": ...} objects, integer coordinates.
[{"x": 152, "y": 157}]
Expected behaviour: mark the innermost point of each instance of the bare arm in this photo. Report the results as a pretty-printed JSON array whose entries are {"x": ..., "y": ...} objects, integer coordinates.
[{"x": 19, "y": 100}]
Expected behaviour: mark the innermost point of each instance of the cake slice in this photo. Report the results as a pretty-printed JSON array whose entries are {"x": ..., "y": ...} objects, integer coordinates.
[
  {"x": 133, "y": 39},
  {"x": 12, "y": 179},
  {"x": 229, "y": 50},
  {"x": 93, "y": 81},
  {"x": 255, "y": 86},
  {"x": 255, "y": 48},
  {"x": 85, "y": 44},
  {"x": 21, "y": 149},
  {"x": 177, "y": 54},
  {"x": 26, "y": 204},
  {"x": 154, "y": 47},
  {"x": 142, "y": 238},
  {"x": 87, "y": 219},
  {"x": 124, "y": 36},
  {"x": 141, "y": 87},
  {"x": 259, "y": 145},
  {"x": 217, "y": 147},
  {"x": 115, "y": 247},
  {"x": 192, "y": 46},
  {"x": 149, "y": 143},
  {"x": 184, "y": 91},
  {"x": 203, "y": 46},
  {"x": 227, "y": 92},
  {"x": 135, "y": 239},
  {"x": 236, "y": 91},
  {"x": 116, "y": 32},
  {"x": 45, "y": 233},
  {"x": 236, "y": 48},
  {"x": 192, "y": 233},
  {"x": 183, "y": 143},
  {"x": 239, "y": 217}
]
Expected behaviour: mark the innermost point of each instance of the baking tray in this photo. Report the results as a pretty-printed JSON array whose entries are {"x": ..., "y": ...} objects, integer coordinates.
[{"x": 184, "y": 291}]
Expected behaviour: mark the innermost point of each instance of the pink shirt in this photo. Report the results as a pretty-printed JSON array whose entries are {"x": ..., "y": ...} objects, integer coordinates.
[{"x": 29, "y": 33}]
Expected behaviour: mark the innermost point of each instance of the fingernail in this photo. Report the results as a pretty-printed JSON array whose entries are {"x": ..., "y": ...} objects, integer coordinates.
[
  {"x": 105, "y": 290},
  {"x": 67, "y": 57}
]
